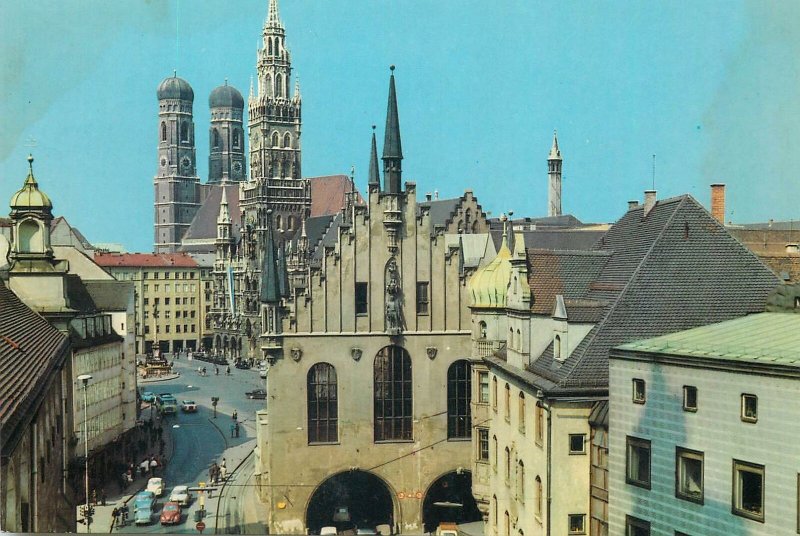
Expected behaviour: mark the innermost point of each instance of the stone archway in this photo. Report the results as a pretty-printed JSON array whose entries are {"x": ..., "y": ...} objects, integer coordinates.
[
  {"x": 449, "y": 498},
  {"x": 368, "y": 500}
]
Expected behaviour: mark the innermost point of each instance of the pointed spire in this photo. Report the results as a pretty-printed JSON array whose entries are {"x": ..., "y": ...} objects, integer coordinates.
[
  {"x": 30, "y": 179},
  {"x": 504, "y": 243},
  {"x": 555, "y": 153},
  {"x": 270, "y": 281},
  {"x": 273, "y": 17},
  {"x": 224, "y": 213},
  {"x": 391, "y": 142},
  {"x": 374, "y": 178}
]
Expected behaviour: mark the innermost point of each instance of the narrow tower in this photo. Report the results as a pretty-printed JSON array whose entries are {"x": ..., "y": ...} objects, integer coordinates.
[
  {"x": 176, "y": 182},
  {"x": 226, "y": 161},
  {"x": 554, "y": 176},
  {"x": 392, "y": 148}
]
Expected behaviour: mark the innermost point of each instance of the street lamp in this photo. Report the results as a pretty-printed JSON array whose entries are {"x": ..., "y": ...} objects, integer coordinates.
[{"x": 85, "y": 379}]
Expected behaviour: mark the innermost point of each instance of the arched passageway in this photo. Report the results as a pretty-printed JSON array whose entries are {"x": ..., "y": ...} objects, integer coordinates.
[
  {"x": 353, "y": 499},
  {"x": 450, "y": 498}
]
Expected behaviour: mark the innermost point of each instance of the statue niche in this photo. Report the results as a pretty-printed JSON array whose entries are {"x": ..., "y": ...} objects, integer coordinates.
[{"x": 394, "y": 311}]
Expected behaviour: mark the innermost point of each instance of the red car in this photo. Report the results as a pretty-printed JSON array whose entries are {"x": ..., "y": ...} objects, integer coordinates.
[{"x": 171, "y": 514}]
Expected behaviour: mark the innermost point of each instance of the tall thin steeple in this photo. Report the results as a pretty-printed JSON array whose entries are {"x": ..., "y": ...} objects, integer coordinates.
[
  {"x": 273, "y": 17},
  {"x": 392, "y": 148},
  {"x": 554, "y": 179},
  {"x": 270, "y": 281},
  {"x": 374, "y": 177}
]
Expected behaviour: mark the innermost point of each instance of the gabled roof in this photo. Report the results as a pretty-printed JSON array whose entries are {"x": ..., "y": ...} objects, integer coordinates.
[
  {"x": 202, "y": 231},
  {"x": 675, "y": 269},
  {"x": 441, "y": 210},
  {"x": 31, "y": 351},
  {"x": 565, "y": 273},
  {"x": 329, "y": 194}
]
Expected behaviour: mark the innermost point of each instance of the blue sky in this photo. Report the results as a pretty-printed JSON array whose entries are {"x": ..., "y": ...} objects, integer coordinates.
[{"x": 711, "y": 88}]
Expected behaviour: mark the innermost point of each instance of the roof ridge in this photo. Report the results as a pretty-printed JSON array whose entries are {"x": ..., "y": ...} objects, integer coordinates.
[
  {"x": 592, "y": 335},
  {"x": 574, "y": 252}
]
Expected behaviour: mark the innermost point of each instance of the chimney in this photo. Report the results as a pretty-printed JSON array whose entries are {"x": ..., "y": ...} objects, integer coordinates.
[
  {"x": 428, "y": 196},
  {"x": 718, "y": 202},
  {"x": 633, "y": 204},
  {"x": 649, "y": 201}
]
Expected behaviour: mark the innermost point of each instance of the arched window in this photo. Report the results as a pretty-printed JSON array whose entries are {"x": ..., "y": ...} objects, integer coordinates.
[
  {"x": 278, "y": 85},
  {"x": 539, "y": 423},
  {"x": 510, "y": 342},
  {"x": 519, "y": 341},
  {"x": 291, "y": 223},
  {"x": 393, "y": 397},
  {"x": 185, "y": 131},
  {"x": 494, "y": 393},
  {"x": 277, "y": 46},
  {"x": 268, "y": 84},
  {"x": 323, "y": 412},
  {"x": 508, "y": 465},
  {"x": 278, "y": 222},
  {"x": 507, "y": 407},
  {"x": 507, "y": 524},
  {"x": 30, "y": 237},
  {"x": 522, "y": 412},
  {"x": 163, "y": 131},
  {"x": 269, "y": 47},
  {"x": 557, "y": 347},
  {"x": 287, "y": 140},
  {"x": 236, "y": 138},
  {"x": 482, "y": 329},
  {"x": 494, "y": 452},
  {"x": 538, "y": 499},
  {"x": 217, "y": 140},
  {"x": 495, "y": 520},
  {"x": 274, "y": 139},
  {"x": 521, "y": 481},
  {"x": 459, "y": 422}
]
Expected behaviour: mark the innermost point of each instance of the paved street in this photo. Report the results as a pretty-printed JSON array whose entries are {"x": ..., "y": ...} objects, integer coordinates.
[{"x": 197, "y": 440}]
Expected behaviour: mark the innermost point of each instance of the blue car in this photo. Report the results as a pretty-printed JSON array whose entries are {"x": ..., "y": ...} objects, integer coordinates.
[
  {"x": 147, "y": 396},
  {"x": 143, "y": 505}
]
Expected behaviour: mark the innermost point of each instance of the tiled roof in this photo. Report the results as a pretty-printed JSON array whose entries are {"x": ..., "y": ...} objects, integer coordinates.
[
  {"x": 673, "y": 270},
  {"x": 31, "y": 350},
  {"x": 564, "y": 221},
  {"x": 329, "y": 194},
  {"x": 766, "y": 338},
  {"x": 788, "y": 225},
  {"x": 145, "y": 260},
  {"x": 204, "y": 224},
  {"x": 441, "y": 210},
  {"x": 111, "y": 295},
  {"x": 567, "y": 273}
]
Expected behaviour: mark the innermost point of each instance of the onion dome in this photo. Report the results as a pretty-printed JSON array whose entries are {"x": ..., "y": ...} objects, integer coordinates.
[
  {"x": 30, "y": 196},
  {"x": 488, "y": 287},
  {"x": 175, "y": 88},
  {"x": 225, "y": 97}
]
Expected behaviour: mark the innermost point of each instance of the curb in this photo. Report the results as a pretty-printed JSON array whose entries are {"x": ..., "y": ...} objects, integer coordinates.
[{"x": 225, "y": 484}]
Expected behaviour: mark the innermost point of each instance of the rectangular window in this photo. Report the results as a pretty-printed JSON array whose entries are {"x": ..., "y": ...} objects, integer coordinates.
[
  {"x": 156, "y": 300},
  {"x": 483, "y": 444},
  {"x": 191, "y": 301},
  {"x": 689, "y": 475},
  {"x": 147, "y": 301},
  {"x": 749, "y": 408},
  {"x": 155, "y": 275},
  {"x": 483, "y": 387},
  {"x": 167, "y": 328},
  {"x": 577, "y": 443},
  {"x": 422, "y": 297},
  {"x": 361, "y": 298},
  {"x": 167, "y": 287},
  {"x": 637, "y": 470},
  {"x": 147, "y": 330},
  {"x": 636, "y": 527},
  {"x": 166, "y": 314},
  {"x": 638, "y": 391},
  {"x": 689, "y": 398},
  {"x": 166, "y": 301},
  {"x": 146, "y": 275},
  {"x": 146, "y": 288},
  {"x": 577, "y": 523},
  {"x": 157, "y": 288},
  {"x": 507, "y": 406},
  {"x": 193, "y": 328},
  {"x": 178, "y": 328},
  {"x": 748, "y": 490}
]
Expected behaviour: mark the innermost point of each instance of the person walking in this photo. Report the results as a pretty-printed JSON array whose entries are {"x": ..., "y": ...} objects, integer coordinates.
[
  {"x": 233, "y": 429},
  {"x": 235, "y": 415},
  {"x": 114, "y": 516},
  {"x": 228, "y": 370}
]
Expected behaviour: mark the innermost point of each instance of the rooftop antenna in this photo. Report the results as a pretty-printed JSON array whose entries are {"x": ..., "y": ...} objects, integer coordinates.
[{"x": 654, "y": 172}]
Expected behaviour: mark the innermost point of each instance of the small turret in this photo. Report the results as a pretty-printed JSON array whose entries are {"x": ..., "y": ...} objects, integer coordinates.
[{"x": 554, "y": 179}]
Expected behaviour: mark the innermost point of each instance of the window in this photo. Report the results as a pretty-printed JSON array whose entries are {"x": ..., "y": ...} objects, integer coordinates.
[
  {"x": 689, "y": 398},
  {"x": 538, "y": 498},
  {"x": 577, "y": 523},
  {"x": 507, "y": 406},
  {"x": 147, "y": 301},
  {"x": 163, "y": 131},
  {"x": 494, "y": 452},
  {"x": 167, "y": 313},
  {"x": 178, "y": 328},
  {"x": 157, "y": 289},
  {"x": 748, "y": 490},
  {"x": 167, "y": 328},
  {"x": 483, "y": 387},
  {"x": 521, "y": 412},
  {"x": 638, "y": 462},
  {"x": 236, "y": 138},
  {"x": 216, "y": 138},
  {"x": 422, "y": 297},
  {"x": 361, "y": 298},
  {"x": 393, "y": 397},
  {"x": 577, "y": 443},
  {"x": 482, "y": 329},
  {"x": 539, "y": 423},
  {"x": 184, "y": 131},
  {"x": 459, "y": 420},
  {"x": 483, "y": 444},
  {"x": 749, "y": 408},
  {"x": 287, "y": 140},
  {"x": 508, "y": 465},
  {"x": 520, "y": 481},
  {"x": 636, "y": 527},
  {"x": 689, "y": 475},
  {"x": 638, "y": 391},
  {"x": 507, "y": 524},
  {"x": 274, "y": 139},
  {"x": 166, "y": 300},
  {"x": 557, "y": 347},
  {"x": 323, "y": 414},
  {"x": 494, "y": 393}
]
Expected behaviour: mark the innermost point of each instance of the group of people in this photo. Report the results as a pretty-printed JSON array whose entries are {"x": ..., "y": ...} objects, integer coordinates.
[
  {"x": 120, "y": 515},
  {"x": 202, "y": 371},
  {"x": 217, "y": 473}
]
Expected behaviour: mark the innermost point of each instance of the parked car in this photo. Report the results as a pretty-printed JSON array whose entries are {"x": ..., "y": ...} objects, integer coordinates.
[
  {"x": 188, "y": 406},
  {"x": 171, "y": 513},
  {"x": 181, "y": 495},
  {"x": 147, "y": 396},
  {"x": 156, "y": 485},
  {"x": 242, "y": 365},
  {"x": 259, "y": 394},
  {"x": 166, "y": 404},
  {"x": 143, "y": 506},
  {"x": 262, "y": 371}
]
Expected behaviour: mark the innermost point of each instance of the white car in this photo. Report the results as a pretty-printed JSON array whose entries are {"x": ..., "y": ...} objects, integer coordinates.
[
  {"x": 181, "y": 495},
  {"x": 156, "y": 485},
  {"x": 188, "y": 406},
  {"x": 327, "y": 531},
  {"x": 262, "y": 372}
]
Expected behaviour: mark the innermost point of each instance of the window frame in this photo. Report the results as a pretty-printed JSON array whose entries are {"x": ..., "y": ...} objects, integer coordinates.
[
  {"x": 459, "y": 389},
  {"x": 494, "y": 393},
  {"x": 636, "y": 397},
  {"x": 741, "y": 465},
  {"x": 635, "y": 522},
  {"x": 681, "y": 454},
  {"x": 637, "y": 442},
  {"x": 521, "y": 410},
  {"x": 507, "y": 405},
  {"x": 686, "y": 390},
  {"x": 742, "y": 415},
  {"x": 539, "y": 439},
  {"x": 393, "y": 374},
  {"x": 582, "y": 518},
  {"x": 482, "y": 455},
  {"x": 361, "y": 298},
  {"x": 322, "y": 430},
  {"x": 483, "y": 374},
  {"x": 423, "y": 297},
  {"x": 581, "y": 452}
]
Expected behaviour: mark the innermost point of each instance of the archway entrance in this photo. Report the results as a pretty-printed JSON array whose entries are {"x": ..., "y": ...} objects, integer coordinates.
[
  {"x": 349, "y": 500},
  {"x": 450, "y": 498}
]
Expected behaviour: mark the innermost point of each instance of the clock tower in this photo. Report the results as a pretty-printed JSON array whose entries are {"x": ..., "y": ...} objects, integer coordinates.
[{"x": 176, "y": 182}]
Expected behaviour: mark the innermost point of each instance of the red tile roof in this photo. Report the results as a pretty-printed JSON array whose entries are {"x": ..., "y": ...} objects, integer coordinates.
[
  {"x": 135, "y": 260},
  {"x": 328, "y": 194}
]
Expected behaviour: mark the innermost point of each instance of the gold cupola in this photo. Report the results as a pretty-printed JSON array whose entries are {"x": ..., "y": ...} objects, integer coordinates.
[{"x": 488, "y": 287}]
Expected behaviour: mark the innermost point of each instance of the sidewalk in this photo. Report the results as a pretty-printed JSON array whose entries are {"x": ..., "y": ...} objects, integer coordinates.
[{"x": 102, "y": 521}]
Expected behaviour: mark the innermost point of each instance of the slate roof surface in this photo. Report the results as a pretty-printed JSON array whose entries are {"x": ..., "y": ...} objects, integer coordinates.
[
  {"x": 567, "y": 273},
  {"x": 767, "y": 338},
  {"x": 441, "y": 210},
  {"x": 30, "y": 352},
  {"x": 204, "y": 224},
  {"x": 329, "y": 194},
  {"x": 568, "y": 239},
  {"x": 109, "y": 295},
  {"x": 145, "y": 260},
  {"x": 673, "y": 270},
  {"x": 564, "y": 220}
]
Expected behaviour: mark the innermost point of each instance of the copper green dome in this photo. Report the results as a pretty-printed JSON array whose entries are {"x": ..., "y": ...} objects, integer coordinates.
[
  {"x": 488, "y": 287},
  {"x": 30, "y": 196},
  {"x": 225, "y": 97},
  {"x": 175, "y": 88}
]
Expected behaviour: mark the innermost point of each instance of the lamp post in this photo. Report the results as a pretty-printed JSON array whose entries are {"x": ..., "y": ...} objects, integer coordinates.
[{"x": 84, "y": 378}]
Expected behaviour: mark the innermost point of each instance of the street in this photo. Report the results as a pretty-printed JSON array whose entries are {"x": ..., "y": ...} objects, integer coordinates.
[{"x": 199, "y": 439}]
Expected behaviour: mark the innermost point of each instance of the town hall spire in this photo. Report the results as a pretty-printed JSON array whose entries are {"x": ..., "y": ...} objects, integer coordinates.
[
  {"x": 392, "y": 149},
  {"x": 554, "y": 179}
]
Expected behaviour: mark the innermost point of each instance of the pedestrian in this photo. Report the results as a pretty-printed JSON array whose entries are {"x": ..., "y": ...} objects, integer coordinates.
[
  {"x": 237, "y": 429},
  {"x": 233, "y": 429},
  {"x": 94, "y": 496},
  {"x": 216, "y": 370},
  {"x": 103, "y": 496},
  {"x": 212, "y": 473},
  {"x": 124, "y": 514},
  {"x": 235, "y": 415},
  {"x": 223, "y": 472},
  {"x": 223, "y": 464},
  {"x": 228, "y": 370},
  {"x": 114, "y": 515}
]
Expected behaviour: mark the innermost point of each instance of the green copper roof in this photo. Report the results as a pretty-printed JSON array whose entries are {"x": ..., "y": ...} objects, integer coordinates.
[
  {"x": 391, "y": 143},
  {"x": 767, "y": 338},
  {"x": 30, "y": 196}
]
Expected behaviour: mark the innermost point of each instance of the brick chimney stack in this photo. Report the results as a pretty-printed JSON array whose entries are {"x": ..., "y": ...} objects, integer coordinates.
[
  {"x": 718, "y": 202},
  {"x": 649, "y": 201}
]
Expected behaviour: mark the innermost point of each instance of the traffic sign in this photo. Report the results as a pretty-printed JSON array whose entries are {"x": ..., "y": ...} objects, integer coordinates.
[{"x": 200, "y": 526}]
